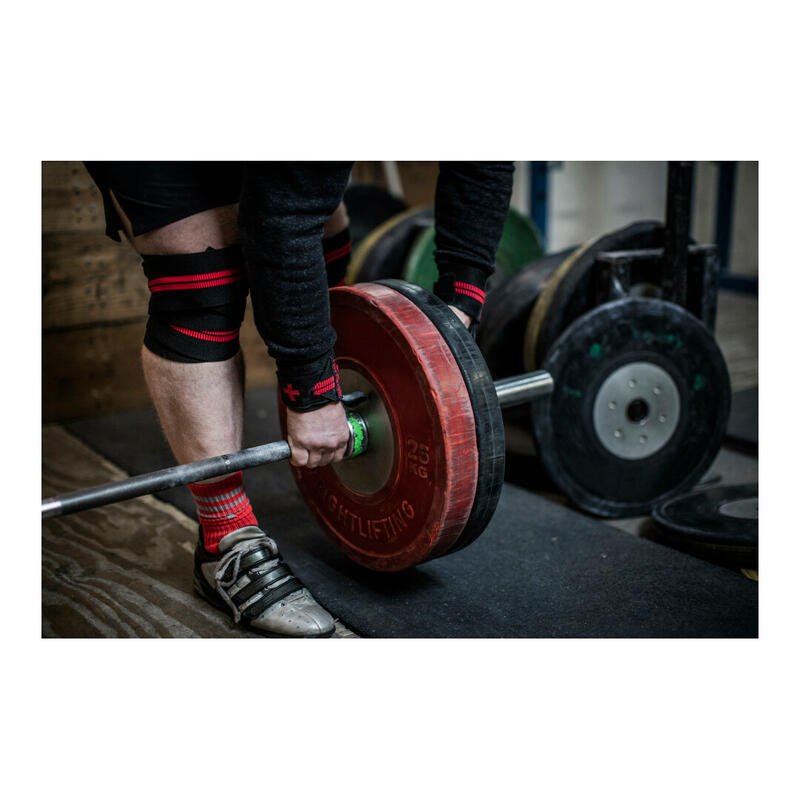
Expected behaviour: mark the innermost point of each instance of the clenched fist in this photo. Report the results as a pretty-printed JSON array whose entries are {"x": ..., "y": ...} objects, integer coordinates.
[{"x": 317, "y": 438}]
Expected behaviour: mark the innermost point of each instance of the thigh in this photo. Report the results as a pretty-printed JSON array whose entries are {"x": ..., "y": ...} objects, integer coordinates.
[{"x": 170, "y": 206}]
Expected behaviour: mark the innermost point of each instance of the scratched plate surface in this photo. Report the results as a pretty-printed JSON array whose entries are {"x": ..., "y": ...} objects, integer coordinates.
[
  {"x": 489, "y": 433},
  {"x": 422, "y": 508}
]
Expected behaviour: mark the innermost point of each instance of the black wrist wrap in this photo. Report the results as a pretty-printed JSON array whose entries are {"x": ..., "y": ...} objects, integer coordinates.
[
  {"x": 310, "y": 387},
  {"x": 463, "y": 288}
]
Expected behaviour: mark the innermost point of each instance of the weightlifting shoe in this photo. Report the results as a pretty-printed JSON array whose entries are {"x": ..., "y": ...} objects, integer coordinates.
[{"x": 249, "y": 579}]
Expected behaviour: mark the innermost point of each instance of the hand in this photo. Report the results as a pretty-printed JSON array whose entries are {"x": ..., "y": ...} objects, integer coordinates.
[
  {"x": 464, "y": 317},
  {"x": 318, "y": 437}
]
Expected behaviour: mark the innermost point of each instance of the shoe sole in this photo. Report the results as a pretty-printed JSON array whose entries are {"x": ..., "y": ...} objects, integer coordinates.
[{"x": 216, "y": 601}]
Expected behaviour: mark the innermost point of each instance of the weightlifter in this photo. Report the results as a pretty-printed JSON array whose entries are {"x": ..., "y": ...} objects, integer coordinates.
[{"x": 209, "y": 233}]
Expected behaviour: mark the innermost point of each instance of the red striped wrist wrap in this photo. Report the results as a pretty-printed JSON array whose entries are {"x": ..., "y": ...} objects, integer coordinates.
[
  {"x": 313, "y": 388},
  {"x": 464, "y": 290}
]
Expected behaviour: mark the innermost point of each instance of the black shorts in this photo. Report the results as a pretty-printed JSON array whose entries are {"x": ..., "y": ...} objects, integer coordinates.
[{"x": 154, "y": 193}]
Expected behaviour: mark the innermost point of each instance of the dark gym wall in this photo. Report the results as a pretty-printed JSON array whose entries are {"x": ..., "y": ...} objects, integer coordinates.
[{"x": 418, "y": 178}]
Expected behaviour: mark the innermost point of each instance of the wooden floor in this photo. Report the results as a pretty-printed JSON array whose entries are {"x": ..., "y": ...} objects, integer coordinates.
[
  {"x": 123, "y": 570},
  {"x": 127, "y": 572}
]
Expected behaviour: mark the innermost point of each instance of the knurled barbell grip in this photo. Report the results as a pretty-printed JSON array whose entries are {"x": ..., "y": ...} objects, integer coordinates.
[{"x": 510, "y": 391}]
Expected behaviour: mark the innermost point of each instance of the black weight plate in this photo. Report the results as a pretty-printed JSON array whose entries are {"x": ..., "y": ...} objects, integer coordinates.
[
  {"x": 369, "y": 206},
  {"x": 570, "y": 292},
  {"x": 641, "y": 401},
  {"x": 383, "y": 253},
  {"x": 506, "y": 312},
  {"x": 722, "y": 516},
  {"x": 486, "y": 408}
]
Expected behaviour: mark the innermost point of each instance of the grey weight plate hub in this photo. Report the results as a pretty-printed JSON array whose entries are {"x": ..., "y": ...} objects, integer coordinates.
[{"x": 637, "y": 410}]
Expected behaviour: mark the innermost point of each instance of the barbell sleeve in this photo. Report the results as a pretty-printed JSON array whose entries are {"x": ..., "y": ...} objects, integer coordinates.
[
  {"x": 510, "y": 392},
  {"x": 523, "y": 388}
]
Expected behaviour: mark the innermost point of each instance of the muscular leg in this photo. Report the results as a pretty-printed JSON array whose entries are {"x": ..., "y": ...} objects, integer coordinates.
[{"x": 200, "y": 406}]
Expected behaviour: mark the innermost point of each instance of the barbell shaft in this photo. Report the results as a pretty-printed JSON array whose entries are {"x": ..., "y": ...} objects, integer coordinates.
[
  {"x": 165, "y": 479},
  {"x": 510, "y": 392}
]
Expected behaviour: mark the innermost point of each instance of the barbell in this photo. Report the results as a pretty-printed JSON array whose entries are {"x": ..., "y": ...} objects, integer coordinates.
[
  {"x": 633, "y": 407},
  {"x": 510, "y": 392}
]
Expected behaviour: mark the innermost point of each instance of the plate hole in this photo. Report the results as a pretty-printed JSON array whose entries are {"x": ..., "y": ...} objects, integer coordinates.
[{"x": 637, "y": 410}]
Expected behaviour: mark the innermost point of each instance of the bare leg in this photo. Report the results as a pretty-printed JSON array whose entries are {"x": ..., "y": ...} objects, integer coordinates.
[{"x": 200, "y": 406}]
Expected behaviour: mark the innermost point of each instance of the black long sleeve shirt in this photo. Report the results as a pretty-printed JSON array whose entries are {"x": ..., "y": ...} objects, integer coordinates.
[{"x": 282, "y": 212}]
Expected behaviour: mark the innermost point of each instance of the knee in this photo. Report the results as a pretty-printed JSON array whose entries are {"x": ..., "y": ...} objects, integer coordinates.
[{"x": 197, "y": 303}]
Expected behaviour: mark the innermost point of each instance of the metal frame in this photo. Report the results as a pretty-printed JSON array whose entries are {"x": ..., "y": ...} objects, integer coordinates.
[
  {"x": 539, "y": 190},
  {"x": 723, "y": 231}
]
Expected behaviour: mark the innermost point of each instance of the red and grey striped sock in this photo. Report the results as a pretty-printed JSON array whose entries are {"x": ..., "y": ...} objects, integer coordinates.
[{"x": 222, "y": 508}]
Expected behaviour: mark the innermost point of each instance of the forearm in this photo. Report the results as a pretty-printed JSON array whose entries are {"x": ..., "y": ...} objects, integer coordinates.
[
  {"x": 472, "y": 199},
  {"x": 282, "y": 214}
]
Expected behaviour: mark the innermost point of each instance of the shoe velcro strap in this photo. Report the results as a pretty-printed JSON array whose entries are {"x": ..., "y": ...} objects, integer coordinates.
[
  {"x": 255, "y": 559},
  {"x": 271, "y": 597},
  {"x": 247, "y": 562},
  {"x": 261, "y": 582}
]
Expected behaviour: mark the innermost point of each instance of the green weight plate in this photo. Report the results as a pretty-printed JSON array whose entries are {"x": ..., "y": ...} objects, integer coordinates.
[{"x": 520, "y": 244}]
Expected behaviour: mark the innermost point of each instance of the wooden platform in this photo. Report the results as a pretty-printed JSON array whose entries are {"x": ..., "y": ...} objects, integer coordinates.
[{"x": 121, "y": 574}]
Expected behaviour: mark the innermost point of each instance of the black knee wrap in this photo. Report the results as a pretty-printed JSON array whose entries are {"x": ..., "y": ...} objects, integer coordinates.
[{"x": 197, "y": 303}]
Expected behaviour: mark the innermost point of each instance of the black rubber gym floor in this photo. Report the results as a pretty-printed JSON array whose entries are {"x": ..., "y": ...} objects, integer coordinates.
[{"x": 539, "y": 569}]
